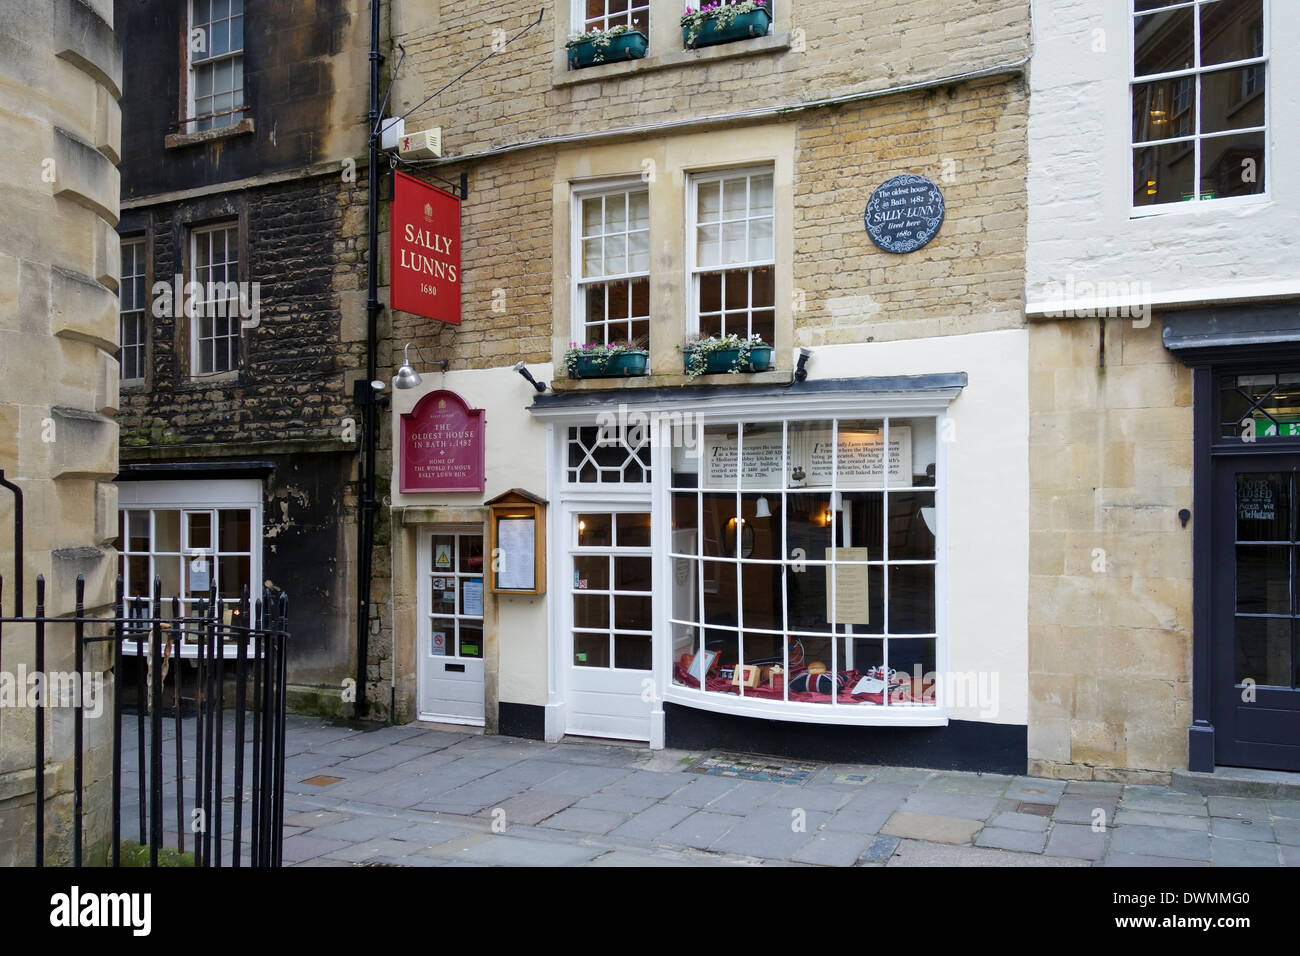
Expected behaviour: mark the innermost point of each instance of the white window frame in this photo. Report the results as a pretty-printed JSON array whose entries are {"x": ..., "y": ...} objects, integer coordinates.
[
  {"x": 133, "y": 308},
  {"x": 928, "y": 404},
  {"x": 192, "y": 68},
  {"x": 201, "y": 304},
  {"x": 636, "y": 9},
  {"x": 189, "y": 497},
  {"x": 578, "y": 316},
  {"x": 611, "y": 593},
  {"x": 1196, "y": 138},
  {"x": 621, "y": 435},
  {"x": 692, "y": 267}
]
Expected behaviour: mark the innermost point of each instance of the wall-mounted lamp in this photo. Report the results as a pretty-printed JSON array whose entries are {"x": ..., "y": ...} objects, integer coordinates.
[
  {"x": 801, "y": 370},
  {"x": 407, "y": 377},
  {"x": 528, "y": 377}
]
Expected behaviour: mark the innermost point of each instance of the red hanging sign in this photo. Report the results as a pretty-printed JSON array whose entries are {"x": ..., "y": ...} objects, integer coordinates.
[
  {"x": 424, "y": 250},
  {"x": 442, "y": 445}
]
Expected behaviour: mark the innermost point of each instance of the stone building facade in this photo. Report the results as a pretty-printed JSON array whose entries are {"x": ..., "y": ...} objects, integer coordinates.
[
  {"x": 807, "y": 120},
  {"x": 60, "y": 82},
  {"x": 1161, "y": 293},
  {"x": 244, "y": 162}
]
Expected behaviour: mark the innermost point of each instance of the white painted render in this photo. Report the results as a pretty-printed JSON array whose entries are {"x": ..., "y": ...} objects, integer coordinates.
[{"x": 1082, "y": 228}]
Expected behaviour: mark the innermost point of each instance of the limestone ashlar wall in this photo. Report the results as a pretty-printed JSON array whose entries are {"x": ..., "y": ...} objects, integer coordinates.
[
  {"x": 1110, "y": 610},
  {"x": 818, "y": 48},
  {"x": 970, "y": 140},
  {"x": 304, "y": 245},
  {"x": 60, "y": 81}
]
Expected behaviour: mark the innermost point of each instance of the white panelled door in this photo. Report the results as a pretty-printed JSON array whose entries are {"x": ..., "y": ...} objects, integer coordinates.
[
  {"x": 451, "y": 626},
  {"x": 610, "y": 636}
]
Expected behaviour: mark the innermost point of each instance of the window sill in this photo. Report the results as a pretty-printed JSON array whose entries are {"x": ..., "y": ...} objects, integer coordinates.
[
  {"x": 771, "y": 44},
  {"x": 771, "y": 377},
  {"x": 181, "y": 140},
  {"x": 799, "y": 712}
]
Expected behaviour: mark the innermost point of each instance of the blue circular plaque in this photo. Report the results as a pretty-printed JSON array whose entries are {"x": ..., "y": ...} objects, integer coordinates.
[{"x": 904, "y": 213}]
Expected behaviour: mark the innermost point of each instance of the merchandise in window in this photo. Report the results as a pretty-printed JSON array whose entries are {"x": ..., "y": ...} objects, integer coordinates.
[
  {"x": 1198, "y": 100},
  {"x": 804, "y": 562}
]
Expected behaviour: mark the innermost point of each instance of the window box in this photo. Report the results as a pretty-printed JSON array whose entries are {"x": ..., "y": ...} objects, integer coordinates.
[
  {"x": 606, "y": 364},
  {"x": 720, "y": 357},
  {"x": 720, "y": 25},
  {"x": 605, "y": 46}
]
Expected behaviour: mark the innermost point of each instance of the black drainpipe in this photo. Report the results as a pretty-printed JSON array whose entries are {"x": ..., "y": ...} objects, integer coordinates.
[{"x": 366, "y": 505}]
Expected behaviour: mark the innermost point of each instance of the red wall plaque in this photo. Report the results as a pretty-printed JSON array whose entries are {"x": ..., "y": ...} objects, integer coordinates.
[
  {"x": 442, "y": 445},
  {"x": 424, "y": 250}
]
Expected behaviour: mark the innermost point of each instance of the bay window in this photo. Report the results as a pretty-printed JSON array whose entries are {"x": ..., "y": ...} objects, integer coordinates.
[
  {"x": 804, "y": 562},
  {"x": 1199, "y": 95},
  {"x": 613, "y": 285},
  {"x": 731, "y": 254}
]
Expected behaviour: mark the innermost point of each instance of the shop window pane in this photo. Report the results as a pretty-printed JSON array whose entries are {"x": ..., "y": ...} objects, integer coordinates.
[
  {"x": 761, "y": 465},
  {"x": 632, "y": 651},
  {"x": 719, "y": 525},
  {"x": 809, "y": 522},
  {"x": 911, "y": 517},
  {"x": 595, "y": 530},
  {"x": 590, "y": 610},
  {"x": 911, "y": 599},
  {"x": 686, "y": 442},
  {"x": 168, "y": 568},
  {"x": 233, "y": 530},
  {"x": 471, "y": 639},
  {"x": 167, "y": 531},
  {"x": 859, "y": 654},
  {"x": 859, "y": 601},
  {"x": 860, "y": 518},
  {"x": 1264, "y": 651},
  {"x": 632, "y": 612},
  {"x": 1263, "y": 506},
  {"x": 719, "y": 457},
  {"x": 915, "y": 661},
  {"x": 634, "y": 530},
  {"x": 760, "y": 535},
  {"x": 632, "y": 574},
  {"x": 590, "y": 650},
  {"x": 471, "y": 553},
  {"x": 200, "y": 529},
  {"x": 444, "y": 552},
  {"x": 808, "y": 454},
  {"x": 1232, "y": 165},
  {"x": 761, "y": 587},
  {"x": 1264, "y": 579},
  {"x": 591, "y": 572},
  {"x": 685, "y": 522},
  {"x": 1164, "y": 42},
  {"x": 442, "y": 595},
  {"x": 805, "y": 597},
  {"x": 685, "y": 605},
  {"x": 724, "y": 647},
  {"x": 138, "y": 539},
  {"x": 137, "y": 577},
  {"x": 233, "y": 571},
  {"x": 720, "y": 593},
  {"x": 1164, "y": 174}
]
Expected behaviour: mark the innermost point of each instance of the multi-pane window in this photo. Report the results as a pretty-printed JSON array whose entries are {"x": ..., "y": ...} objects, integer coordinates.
[
  {"x": 1260, "y": 406},
  {"x": 732, "y": 254},
  {"x": 1198, "y": 100},
  {"x": 609, "y": 455},
  {"x": 612, "y": 600},
  {"x": 456, "y": 606},
  {"x": 214, "y": 258},
  {"x": 613, "y": 292},
  {"x": 133, "y": 311},
  {"x": 604, "y": 14},
  {"x": 216, "y": 47},
  {"x": 804, "y": 564}
]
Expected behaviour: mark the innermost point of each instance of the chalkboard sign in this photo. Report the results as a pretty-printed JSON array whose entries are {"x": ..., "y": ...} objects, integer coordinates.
[{"x": 904, "y": 213}]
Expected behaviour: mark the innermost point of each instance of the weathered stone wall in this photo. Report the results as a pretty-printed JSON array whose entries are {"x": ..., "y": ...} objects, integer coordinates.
[
  {"x": 818, "y": 48},
  {"x": 1110, "y": 613},
  {"x": 60, "y": 81}
]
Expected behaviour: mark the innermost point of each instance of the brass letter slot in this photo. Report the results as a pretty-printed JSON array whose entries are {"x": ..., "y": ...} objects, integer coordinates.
[{"x": 454, "y": 668}]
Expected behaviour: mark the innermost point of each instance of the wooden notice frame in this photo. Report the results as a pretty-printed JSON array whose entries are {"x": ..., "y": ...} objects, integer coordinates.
[{"x": 517, "y": 543}]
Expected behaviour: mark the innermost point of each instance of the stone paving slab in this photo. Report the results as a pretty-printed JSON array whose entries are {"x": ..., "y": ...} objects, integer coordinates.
[{"x": 431, "y": 796}]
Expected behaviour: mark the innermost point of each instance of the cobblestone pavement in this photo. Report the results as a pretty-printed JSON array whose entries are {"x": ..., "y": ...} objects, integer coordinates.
[{"x": 424, "y": 796}]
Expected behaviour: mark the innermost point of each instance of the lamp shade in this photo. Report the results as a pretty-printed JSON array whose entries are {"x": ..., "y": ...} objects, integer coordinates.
[
  {"x": 762, "y": 510},
  {"x": 407, "y": 377}
]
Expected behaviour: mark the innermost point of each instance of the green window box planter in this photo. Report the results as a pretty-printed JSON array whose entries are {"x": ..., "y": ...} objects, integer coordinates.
[
  {"x": 617, "y": 366},
  {"x": 742, "y": 27},
  {"x": 721, "y": 361},
  {"x": 626, "y": 46}
]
